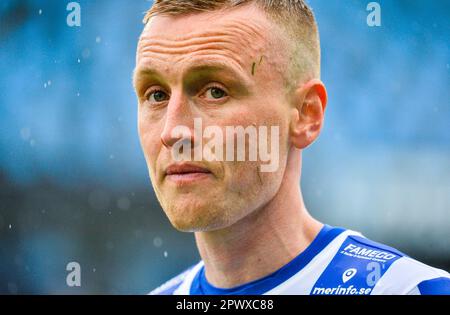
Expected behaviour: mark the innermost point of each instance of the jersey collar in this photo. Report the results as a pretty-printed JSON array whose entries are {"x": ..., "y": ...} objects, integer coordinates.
[{"x": 200, "y": 284}]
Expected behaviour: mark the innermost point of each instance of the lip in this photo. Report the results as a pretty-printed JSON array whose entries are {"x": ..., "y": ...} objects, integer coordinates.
[{"x": 186, "y": 173}]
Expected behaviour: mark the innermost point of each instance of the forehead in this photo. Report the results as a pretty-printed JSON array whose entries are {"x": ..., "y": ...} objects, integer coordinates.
[{"x": 239, "y": 34}]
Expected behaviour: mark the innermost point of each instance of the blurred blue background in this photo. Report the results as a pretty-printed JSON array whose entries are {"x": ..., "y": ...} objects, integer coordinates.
[{"x": 74, "y": 183}]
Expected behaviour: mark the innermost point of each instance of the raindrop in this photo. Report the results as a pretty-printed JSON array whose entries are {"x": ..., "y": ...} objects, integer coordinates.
[
  {"x": 123, "y": 203},
  {"x": 157, "y": 242}
]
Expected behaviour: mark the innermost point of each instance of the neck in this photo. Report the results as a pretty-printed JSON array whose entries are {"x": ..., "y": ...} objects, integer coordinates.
[{"x": 268, "y": 238}]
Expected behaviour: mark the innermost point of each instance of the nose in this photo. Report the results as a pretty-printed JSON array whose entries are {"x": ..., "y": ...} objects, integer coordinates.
[{"x": 178, "y": 120}]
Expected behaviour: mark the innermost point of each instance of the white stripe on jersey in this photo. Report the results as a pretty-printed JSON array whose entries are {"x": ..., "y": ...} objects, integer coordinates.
[
  {"x": 302, "y": 282},
  {"x": 404, "y": 275},
  {"x": 185, "y": 287}
]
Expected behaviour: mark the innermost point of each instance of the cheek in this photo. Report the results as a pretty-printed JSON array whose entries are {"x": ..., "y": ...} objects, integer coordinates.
[
  {"x": 246, "y": 175},
  {"x": 247, "y": 188},
  {"x": 149, "y": 137}
]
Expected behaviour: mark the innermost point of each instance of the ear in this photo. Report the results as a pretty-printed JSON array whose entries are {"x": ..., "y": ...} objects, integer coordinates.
[{"x": 310, "y": 101}]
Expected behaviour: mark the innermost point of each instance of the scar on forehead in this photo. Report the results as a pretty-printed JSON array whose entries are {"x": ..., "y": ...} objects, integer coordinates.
[{"x": 254, "y": 65}]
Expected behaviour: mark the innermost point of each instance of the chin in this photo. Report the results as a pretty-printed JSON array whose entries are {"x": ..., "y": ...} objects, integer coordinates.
[{"x": 196, "y": 218}]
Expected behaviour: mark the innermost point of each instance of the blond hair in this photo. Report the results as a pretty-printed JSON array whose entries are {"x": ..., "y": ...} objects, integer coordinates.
[{"x": 294, "y": 17}]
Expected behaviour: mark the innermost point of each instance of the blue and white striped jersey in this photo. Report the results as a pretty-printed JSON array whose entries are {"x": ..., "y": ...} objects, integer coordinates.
[{"x": 337, "y": 262}]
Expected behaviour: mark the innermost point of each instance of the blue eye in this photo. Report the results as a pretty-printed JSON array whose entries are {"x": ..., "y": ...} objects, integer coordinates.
[
  {"x": 215, "y": 93},
  {"x": 157, "y": 96}
]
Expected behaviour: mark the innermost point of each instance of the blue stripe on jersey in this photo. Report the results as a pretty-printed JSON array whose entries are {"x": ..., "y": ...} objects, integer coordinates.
[
  {"x": 438, "y": 286},
  {"x": 200, "y": 284},
  {"x": 356, "y": 268}
]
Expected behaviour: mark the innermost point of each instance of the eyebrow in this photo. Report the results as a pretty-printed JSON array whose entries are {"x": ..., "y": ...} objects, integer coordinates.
[
  {"x": 206, "y": 67},
  {"x": 201, "y": 70},
  {"x": 141, "y": 72}
]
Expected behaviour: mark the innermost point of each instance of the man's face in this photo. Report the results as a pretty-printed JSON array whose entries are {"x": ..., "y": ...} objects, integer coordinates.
[{"x": 226, "y": 69}]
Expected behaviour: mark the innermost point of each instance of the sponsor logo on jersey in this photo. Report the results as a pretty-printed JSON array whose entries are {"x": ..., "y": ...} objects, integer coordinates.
[
  {"x": 350, "y": 290},
  {"x": 353, "y": 250},
  {"x": 348, "y": 274},
  {"x": 355, "y": 269},
  {"x": 339, "y": 290}
]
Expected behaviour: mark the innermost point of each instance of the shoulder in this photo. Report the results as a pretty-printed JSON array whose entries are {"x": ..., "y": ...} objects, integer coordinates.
[
  {"x": 171, "y": 286},
  {"x": 409, "y": 276},
  {"x": 362, "y": 266}
]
